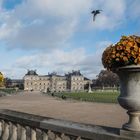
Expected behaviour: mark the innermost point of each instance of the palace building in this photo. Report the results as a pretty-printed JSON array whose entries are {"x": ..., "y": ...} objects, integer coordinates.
[{"x": 53, "y": 82}]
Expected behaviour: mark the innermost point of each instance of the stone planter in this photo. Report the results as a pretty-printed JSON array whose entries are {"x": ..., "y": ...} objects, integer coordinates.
[{"x": 129, "y": 97}]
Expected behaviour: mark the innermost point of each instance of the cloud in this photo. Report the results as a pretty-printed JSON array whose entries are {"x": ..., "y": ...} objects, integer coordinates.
[
  {"x": 111, "y": 17},
  {"x": 57, "y": 59},
  {"x": 62, "y": 8},
  {"x": 8, "y": 26},
  {"x": 41, "y": 24},
  {"x": 13, "y": 73},
  {"x": 39, "y": 36},
  {"x": 65, "y": 61},
  {"x": 50, "y": 24},
  {"x": 133, "y": 11}
]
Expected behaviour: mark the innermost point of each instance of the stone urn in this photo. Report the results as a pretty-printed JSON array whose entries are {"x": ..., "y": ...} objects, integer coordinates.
[{"x": 129, "y": 97}]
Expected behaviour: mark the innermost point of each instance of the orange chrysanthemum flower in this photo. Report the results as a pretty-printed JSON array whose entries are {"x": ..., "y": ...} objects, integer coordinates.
[{"x": 125, "y": 52}]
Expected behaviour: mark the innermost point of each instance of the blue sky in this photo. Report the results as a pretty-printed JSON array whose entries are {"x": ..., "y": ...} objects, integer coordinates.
[{"x": 59, "y": 35}]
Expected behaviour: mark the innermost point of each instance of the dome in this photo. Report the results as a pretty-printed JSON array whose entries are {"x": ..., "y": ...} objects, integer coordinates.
[{"x": 31, "y": 72}]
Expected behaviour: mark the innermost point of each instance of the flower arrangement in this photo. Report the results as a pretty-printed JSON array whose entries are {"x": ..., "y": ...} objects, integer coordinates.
[{"x": 125, "y": 52}]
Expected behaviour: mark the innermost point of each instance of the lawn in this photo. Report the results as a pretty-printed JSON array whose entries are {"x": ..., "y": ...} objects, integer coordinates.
[
  {"x": 8, "y": 90},
  {"x": 96, "y": 96}
]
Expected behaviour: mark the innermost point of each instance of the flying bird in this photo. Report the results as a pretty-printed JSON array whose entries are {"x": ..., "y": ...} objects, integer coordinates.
[{"x": 95, "y": 12}]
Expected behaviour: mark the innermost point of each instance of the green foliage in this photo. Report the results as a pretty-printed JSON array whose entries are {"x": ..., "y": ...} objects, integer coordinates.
[
  {"x": 107, "y": 79},
  {"x": 97, "y": 96},
  {"x": 8, "y": 90}
]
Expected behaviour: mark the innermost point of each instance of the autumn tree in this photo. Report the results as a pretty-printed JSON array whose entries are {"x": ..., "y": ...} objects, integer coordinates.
[{"x": 1, "y": 80}]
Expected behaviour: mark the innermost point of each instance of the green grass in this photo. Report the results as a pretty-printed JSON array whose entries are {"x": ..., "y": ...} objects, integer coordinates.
[
  {"x": 97, "y": 96},
  {"x": 8, "y": 90}
]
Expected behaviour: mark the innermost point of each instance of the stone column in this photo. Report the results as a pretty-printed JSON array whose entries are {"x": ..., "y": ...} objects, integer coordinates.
[
  {"x": 51, "y": 135},
  {"x": 58, "y": 138},
  {"x": 23, "y": 133},
  {"x": 1, "y": 128},
  {"x": 33, "y": 134},
  {"x": 45, "y": 135},
  {"x": 14, "y": 132},
  {"x": 78, "y": 138},
  {"x": 5, "y": 134},
  {"x": 64, "y": 137}
]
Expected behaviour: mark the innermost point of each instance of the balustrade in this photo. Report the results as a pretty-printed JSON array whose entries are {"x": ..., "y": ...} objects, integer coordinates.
[{"x": 21, "y": 126}]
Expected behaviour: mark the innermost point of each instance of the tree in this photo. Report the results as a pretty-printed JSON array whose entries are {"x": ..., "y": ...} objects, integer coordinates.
[
  {"x": 7, "y": 82},
  {"x": 107, "y": 79},
  {"x": 1, "y": 80}
]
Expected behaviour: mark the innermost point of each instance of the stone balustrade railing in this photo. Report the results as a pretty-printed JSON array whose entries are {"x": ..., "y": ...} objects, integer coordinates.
[{"x": 22, "y": 126}]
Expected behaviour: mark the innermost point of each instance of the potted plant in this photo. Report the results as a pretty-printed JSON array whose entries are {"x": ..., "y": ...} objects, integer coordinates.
[{"x": 123, "y": 58}]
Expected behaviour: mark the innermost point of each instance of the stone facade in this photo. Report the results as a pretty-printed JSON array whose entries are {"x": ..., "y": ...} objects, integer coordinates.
[{"x": 73, "y": 81}]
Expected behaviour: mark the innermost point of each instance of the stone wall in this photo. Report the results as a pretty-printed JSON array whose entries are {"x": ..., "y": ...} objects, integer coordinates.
[{"x": 18, "y": 125}]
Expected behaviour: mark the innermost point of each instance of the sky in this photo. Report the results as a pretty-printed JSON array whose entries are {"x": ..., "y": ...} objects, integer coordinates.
[{"x": 60, "y": 35}]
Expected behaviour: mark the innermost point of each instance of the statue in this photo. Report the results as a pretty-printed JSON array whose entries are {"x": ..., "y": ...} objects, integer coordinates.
[{"x": 89, "y": 89}]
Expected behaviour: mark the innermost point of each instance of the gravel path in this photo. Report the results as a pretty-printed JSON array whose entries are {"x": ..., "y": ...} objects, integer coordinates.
[{"x": 92, "y": 113}]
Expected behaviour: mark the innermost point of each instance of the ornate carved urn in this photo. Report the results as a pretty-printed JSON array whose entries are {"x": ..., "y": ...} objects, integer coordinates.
[{"x": 129, "y": 97}]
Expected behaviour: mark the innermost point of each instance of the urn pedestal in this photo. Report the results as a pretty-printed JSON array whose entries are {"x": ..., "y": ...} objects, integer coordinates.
[{"x": 129, "y": 97}]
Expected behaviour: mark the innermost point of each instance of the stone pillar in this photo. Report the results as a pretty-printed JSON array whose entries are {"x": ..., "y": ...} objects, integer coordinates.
[
  {"x": 45, "y": 136},
  {"x": 14, "y": 132},
  {"x": 58, "y": 138},
  {"x": 5, "y": 134},
  {"x": 23, "y": 133},
  {"x": 1, "y": 128},
  {"x": 33, "y": 134},
  {"x": 64, "y": 137},
  {"x": 51, "y": 135},
  {"x": 78, "y": 138}
]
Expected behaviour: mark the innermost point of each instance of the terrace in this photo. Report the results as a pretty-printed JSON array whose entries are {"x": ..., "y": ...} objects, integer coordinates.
[
  {"x": 47, "y": 118},
  {"x": 17, "y": 125}
]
